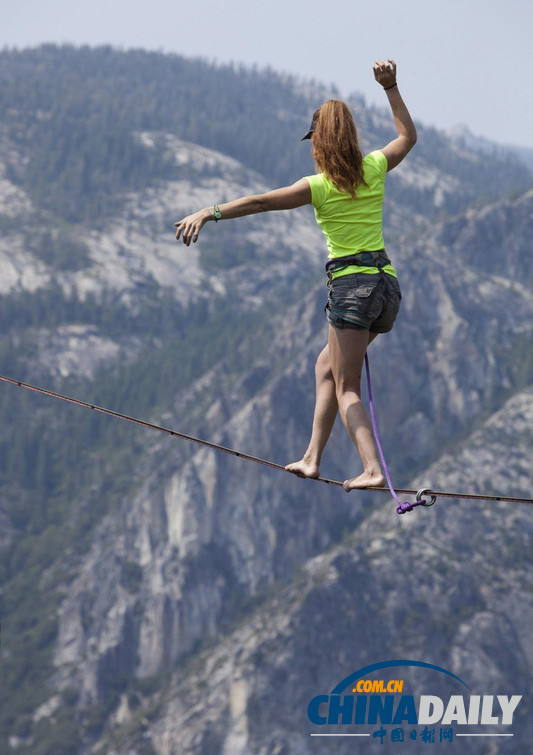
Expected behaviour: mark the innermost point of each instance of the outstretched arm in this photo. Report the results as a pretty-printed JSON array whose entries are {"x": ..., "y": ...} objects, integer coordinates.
[
  {"x": 395, "y": 151},
  {"x": 286, "y": 198}
]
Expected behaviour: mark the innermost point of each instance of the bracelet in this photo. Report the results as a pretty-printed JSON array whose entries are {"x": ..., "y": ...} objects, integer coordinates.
[
  {"x": 391, "y": 87},
  {"x": 213, "y": 216}
]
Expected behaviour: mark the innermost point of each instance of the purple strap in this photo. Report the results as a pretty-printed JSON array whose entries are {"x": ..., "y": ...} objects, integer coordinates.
[{"x": 403, "y": 506}]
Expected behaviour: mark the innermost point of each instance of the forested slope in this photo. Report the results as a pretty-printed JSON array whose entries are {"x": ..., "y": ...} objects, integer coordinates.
[{"x": 121, "y": 554}]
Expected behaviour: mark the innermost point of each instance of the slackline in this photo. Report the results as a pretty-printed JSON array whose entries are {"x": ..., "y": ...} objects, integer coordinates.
[{"x": 241, "y": 455}]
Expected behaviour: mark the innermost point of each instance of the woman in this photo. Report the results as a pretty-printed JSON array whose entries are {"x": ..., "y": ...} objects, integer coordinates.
[{"x": 364, "y": 295}]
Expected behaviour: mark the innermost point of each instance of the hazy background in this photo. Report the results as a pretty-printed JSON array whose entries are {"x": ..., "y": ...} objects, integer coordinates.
[
  {"x": 460, "y": 62},
  {"x": 152, "y": 592}
]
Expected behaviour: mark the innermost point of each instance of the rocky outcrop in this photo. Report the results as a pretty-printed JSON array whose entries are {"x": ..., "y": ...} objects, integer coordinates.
[
  {"x": 290, "y": 584},
  {"x": 450, "y": 584},
  {"x": 495, "y": 239},
  {"x": 206, "y": 531}
]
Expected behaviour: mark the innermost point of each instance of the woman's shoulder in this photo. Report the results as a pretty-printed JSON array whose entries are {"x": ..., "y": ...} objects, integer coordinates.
[
  {"x": 318, "y": 179},
  {"x": 376, "y": 161},
  {"x": 321, "y": 188},
  {"x": 376, "y": 157}
]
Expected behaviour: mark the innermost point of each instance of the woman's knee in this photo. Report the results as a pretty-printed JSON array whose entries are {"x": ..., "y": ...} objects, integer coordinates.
[
  {"x": 323, "y": 366},
  {"x": 351, "y": 388}
]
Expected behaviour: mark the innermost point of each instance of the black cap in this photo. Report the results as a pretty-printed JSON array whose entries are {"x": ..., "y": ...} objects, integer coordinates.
[{"x": 311, "y": 131}]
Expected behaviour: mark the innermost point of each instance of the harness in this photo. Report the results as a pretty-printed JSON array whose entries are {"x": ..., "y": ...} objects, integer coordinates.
[{"x": 364, "y": 259}]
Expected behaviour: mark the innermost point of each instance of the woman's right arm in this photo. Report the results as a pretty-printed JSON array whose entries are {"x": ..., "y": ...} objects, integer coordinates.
[{"x": 397, "y": 149}]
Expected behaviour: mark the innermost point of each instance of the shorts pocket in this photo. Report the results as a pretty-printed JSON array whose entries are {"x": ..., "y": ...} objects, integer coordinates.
[
  {"x": 360, "y": 292},
  {"x": 348, "y": 290}
]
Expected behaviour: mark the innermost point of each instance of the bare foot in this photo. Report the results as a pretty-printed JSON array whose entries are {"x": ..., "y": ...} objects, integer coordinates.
[
  {"x": 303, "y": 468},
  {"x": 365, "y": 480}
]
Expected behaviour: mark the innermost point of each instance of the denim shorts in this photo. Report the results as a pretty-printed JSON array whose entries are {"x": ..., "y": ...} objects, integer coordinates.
[{"x": 364, "y": 301}]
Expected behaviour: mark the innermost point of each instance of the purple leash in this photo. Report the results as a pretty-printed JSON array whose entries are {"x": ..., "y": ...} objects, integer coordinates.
[{"x": 403, "y": 506}]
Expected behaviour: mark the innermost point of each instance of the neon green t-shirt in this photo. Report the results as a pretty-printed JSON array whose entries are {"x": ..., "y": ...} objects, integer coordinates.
[{"x": 352, "y": 225}]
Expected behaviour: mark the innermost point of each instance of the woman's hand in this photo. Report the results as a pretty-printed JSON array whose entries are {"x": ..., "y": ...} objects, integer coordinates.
[
  {"x": 385, "y": 72},
  {"x": 189, "y": 228}
]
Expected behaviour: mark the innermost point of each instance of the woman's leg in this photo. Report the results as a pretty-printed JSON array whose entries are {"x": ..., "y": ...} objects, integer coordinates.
[
  {"x": 347, "y": 348},
  {"x": 323, "y": 419}
]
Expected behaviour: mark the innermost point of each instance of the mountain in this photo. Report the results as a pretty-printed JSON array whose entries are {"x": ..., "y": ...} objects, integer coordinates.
[
  {"x": 452, "y": 584},
  {"x": 463, "y": 135},
  {"x": 161, "y": 597}
]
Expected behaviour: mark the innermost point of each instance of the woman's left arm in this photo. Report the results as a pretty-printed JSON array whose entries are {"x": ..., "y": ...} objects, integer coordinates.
[{"x": 287, "y": 198}]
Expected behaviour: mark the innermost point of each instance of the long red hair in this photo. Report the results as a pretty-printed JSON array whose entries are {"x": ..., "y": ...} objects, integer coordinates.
[{"x": 336, "y": 146}]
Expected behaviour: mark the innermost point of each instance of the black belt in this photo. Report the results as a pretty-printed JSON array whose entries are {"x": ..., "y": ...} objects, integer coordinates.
[{"x": 363, "y": 259}]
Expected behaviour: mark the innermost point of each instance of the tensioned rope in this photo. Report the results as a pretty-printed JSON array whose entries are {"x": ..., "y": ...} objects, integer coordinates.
[{"x": 420, "y": 501}]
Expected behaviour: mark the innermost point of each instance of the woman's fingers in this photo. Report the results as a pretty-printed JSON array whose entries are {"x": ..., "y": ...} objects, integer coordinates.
[
  {"x": 188, "y": 230},
  {"x": 385, "y": 71}
]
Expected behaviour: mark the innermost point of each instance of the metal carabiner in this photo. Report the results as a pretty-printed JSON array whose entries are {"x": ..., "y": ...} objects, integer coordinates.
[{"x": 423, "y": 492}]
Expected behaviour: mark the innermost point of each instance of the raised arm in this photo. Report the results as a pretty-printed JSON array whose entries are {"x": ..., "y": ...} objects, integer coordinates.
[
  {"x": 397, "y": 149},
  {"x": 286, "y": 198}
]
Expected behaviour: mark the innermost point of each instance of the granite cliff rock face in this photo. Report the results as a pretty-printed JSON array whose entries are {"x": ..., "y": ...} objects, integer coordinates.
[
  {"x": 206, "y": 531},
  {"x": 451, "y": 583},
  {"x": 219, "y": 596}
]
